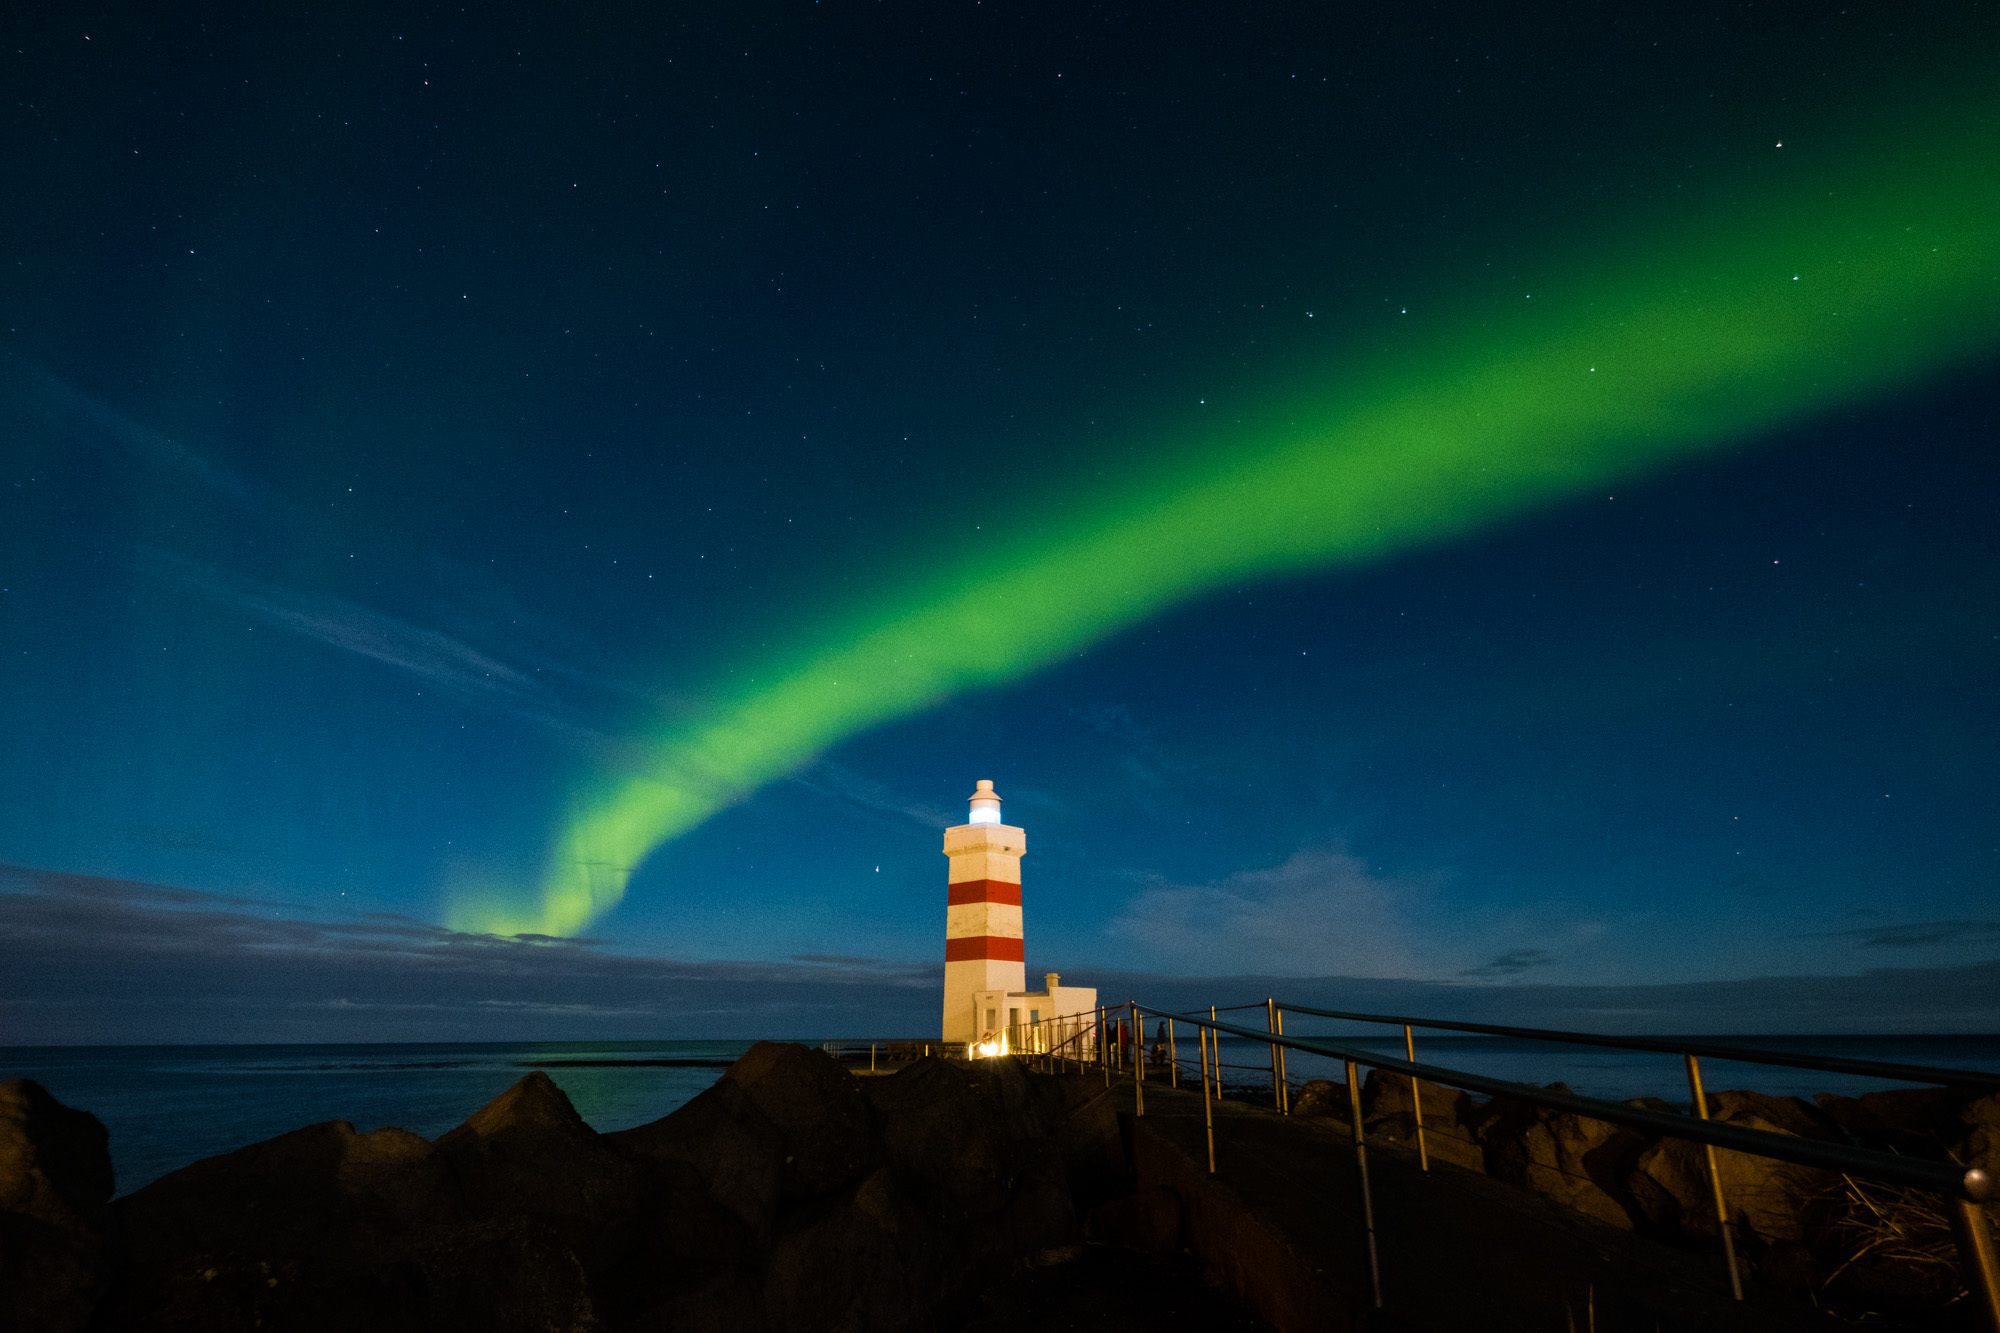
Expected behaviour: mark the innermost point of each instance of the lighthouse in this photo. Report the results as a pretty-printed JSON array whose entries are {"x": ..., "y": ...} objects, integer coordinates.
[{"x": 985, "y": 971}]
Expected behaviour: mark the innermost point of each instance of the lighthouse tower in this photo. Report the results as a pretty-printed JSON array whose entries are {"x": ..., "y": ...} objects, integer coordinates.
[{"x": 983, "y": 954}]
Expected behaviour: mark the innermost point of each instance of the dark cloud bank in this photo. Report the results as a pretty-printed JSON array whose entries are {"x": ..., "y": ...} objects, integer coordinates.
[{"x": 92, "y": 960}]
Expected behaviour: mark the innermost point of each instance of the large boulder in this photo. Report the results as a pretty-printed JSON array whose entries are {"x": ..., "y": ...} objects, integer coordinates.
[
  {"x": 329, "y": 1229},
  {"x": 784, "y": 1124},
  {"x": 955, "y": 1130},
  {"x": 693, "y": 1263},
  {"x": 797, "y": 1197},
  {"x": 781, "y": 1125},
  {"x": 1769, "y": 1201},
  {"x": 527, "y": 1155},
  {"x": 816, "y": 1111},
  {"x": 315, "y": 1229},
  {"x": 1321, "y": 1098},
  {"x": 1004, "y": 1163},
  {"x": 1574, "y": 1160},
  {"x": 1923, "y": 1122},
  {"x": 1980, "y": 1142},
  {"x": 736, "y": 1157},
  {"x": 55, "y": 1183},
  {"x": 1389, "y": 1111},
  {"x": 866, "y": 1261}
]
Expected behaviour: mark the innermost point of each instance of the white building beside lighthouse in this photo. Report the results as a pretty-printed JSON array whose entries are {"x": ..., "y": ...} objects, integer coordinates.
[{"x": 986, "y": 995}]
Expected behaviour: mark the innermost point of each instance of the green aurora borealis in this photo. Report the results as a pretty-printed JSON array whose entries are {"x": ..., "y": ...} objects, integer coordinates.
[{"x": 1667, "y": 341}]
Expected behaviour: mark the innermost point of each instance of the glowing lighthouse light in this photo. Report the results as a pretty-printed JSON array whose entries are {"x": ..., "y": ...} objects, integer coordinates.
[{"x": 985, "y": 804}]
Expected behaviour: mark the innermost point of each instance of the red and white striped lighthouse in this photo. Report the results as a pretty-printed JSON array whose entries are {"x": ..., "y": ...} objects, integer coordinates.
[{"x": 984, "y": 960}]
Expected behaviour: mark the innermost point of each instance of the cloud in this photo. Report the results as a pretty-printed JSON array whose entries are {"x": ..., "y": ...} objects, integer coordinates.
[
  {"x": 1918, "y": 934},
  {"x": 1511, "y": 964},
  {"x": 827, "y": 778},
  {"x": 93, "y": 960},
  {"x": 1896, "y": 1001},
  {"x": 434, "y": 656},
  {"x": 1319, "y": 912},
  {"x": 98, "y": 959},
  {"x": 452, "y": 666},
  {"x": 65, "y": 405}
]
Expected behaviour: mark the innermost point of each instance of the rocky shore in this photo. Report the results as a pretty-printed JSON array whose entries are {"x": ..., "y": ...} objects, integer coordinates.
[
  {"x": 1850, "y": 1244},
  {"x": 791, "y": 1195},
  {"x": 795, "y": 1195}
]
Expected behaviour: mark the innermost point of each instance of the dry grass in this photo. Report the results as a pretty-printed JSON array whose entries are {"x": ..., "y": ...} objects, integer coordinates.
[{"x": 1907, "y": 1229}]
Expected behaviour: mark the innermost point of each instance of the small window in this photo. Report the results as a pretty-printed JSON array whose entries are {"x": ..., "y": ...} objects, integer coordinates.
[
  {"x": 1034, "y": 1015},
  {"x": 989, "y": 1020},
  {"x": 1013, "y": 1017}
]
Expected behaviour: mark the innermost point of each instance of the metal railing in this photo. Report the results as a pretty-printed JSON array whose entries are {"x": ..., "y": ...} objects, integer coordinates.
[{"x": 1966, "y": 1192}]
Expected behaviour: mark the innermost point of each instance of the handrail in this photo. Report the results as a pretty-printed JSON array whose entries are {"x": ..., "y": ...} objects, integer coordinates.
[
  {"x": 1967, "y": 1191},
  {"x": 1830, "y": 1064},
  {"x": 1892, "y": 1168}
]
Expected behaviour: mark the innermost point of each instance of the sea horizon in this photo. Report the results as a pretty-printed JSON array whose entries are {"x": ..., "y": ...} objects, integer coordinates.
[{"x": 168, "y": 1105}]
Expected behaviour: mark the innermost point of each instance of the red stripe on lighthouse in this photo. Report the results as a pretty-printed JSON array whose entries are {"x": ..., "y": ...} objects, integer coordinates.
[
  {"x": 985, "y": 948},
  {"x": 982, "y": 891}
]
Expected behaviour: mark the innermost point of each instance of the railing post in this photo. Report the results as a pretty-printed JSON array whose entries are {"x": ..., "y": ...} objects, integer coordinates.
[
  {"x": 1207, "y": 1106},
  {"x": 1103, "y": 1051},
  {"x": 1367, "y": 1195},
  {"x": 1416, "y": 1100},
  {"x": 1271, "y": 1026},
  {"x": 1138, "y": 1066},
  {"x": 1284, "y": 1072},
  {"x": 1173, "y": 1057},
  {"x": 871, "y": 1057},
  {"x": 1715, "y": 1180},
  {"x": 1215, "y": 1045},
  {"x": 1978, "y": 1264}
]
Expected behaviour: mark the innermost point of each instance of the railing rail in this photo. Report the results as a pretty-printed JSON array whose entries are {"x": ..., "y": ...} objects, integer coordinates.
[
  {"x": 1889, "y": 1168},
  {"x": 1967, "y": 1190},
  {"x": 1827, "y": 1064}
]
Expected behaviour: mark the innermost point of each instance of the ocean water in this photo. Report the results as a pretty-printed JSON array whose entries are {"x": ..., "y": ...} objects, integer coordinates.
[
  {"x": 167, "y": 1106},
  {"x": 1615, "y": 1074}
]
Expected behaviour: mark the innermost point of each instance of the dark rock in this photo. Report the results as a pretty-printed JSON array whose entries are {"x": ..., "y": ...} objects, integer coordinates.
[
  {"x": 288, "y": 1195},
  {"x": 689, "y": 1253},
  {"x": 1148, "y": 1220},
  {"x": 817, "y": 1110},
  {"x": 1787, "y": 1115},
  {"x": 1921, "y": 1121},
  {"x": 954, "y": 1128},
  {"x": 55, "y": 1182},
  {"x": 819, "y": 1201},
  {"x": 1321, "y": 1097},
  {"x": 307, "y": 1230},
  {"x": 783, "y": 1123},
  {"x": 849, "y": 1266},
  {"x": 737, "y": 1156},
  {"x": 1576, "y": 1161},
  {"x": 1449, "y": 1117},
  {"x": 1980, "y": 1145},
  {"x": 324, "y": 1228},
  {"x": 1788, "y": 1265},
  {"x": 527, "y": 1154},
  {"x": 1768, "y": 1200}
]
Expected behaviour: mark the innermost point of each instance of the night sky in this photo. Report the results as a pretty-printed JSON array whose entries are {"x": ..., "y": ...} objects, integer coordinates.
[{"x": 530, "y": 521}]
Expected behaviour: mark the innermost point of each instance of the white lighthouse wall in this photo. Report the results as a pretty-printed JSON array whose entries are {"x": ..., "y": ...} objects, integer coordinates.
[
  {"x": 971, "y": 988},
  {"x": 966, "y": 920},
  {"x": 989, "y": 853}
]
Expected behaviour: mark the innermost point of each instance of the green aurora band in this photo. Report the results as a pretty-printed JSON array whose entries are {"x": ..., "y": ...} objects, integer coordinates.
[{"x": 1666, "y": 344}]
